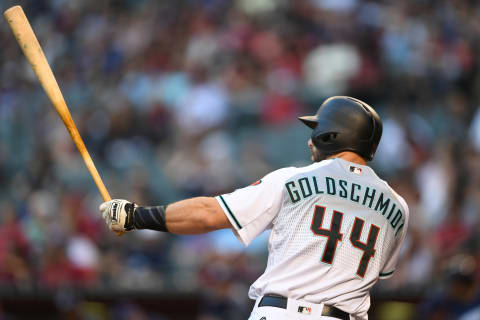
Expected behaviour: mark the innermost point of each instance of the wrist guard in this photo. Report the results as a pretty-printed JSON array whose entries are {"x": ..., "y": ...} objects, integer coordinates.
[
  {"x": 129, "y": 219},
  {"x": 152, "y": 218}
]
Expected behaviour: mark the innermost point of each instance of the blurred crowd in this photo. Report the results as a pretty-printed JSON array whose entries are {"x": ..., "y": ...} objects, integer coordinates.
[{"x": 184, "y": 98}]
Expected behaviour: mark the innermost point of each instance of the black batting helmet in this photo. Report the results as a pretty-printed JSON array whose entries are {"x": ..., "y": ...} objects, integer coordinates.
[{"x": 345, "y": 124}]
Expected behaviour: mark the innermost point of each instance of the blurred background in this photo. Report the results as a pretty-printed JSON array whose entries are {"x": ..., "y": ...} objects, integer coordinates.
[{"x": 198, "y": 97}]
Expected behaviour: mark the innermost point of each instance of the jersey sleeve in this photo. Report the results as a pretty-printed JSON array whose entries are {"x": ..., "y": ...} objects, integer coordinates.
[
  {"x": 390, "y": 265},
  {"x": 252, "y": 209}
]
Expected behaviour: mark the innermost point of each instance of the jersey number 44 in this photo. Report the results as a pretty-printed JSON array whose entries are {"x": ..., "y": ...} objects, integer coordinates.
[{"x": 334, "y": 236}]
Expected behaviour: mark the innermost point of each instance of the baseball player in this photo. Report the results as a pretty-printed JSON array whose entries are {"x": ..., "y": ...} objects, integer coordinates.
[{"x": 336, "y": 226}]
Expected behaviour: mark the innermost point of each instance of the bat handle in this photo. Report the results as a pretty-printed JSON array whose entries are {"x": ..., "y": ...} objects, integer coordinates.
[
  {"x": 93, "y": 171},
  {"x": 90, "y": 165}
]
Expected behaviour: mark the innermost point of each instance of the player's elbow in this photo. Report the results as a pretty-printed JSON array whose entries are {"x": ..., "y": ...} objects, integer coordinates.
[{"x": 212, "y": 216}]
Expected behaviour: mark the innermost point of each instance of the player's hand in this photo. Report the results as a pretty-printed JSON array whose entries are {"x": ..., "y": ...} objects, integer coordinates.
[{"x": 118, "y": 215}]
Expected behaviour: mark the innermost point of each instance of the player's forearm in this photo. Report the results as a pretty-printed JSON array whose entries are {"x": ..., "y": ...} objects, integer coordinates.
[
  {"x": 191, "y": 216},
  {"x": 195, "y": 216}
]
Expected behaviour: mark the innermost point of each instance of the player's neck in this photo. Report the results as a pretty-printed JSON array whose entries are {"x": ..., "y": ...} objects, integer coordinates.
[{"x": 349, "y": 156}]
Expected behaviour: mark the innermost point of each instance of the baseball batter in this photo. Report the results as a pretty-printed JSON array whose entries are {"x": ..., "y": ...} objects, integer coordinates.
[{"x": 336, "y": 226}]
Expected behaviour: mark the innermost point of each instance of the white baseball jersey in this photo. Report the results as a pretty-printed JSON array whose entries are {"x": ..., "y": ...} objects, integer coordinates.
[{"x": 336, "y": 229}]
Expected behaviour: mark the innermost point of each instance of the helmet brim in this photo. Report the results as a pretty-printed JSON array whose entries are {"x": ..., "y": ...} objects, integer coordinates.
[{"x": 310, "y": 121}]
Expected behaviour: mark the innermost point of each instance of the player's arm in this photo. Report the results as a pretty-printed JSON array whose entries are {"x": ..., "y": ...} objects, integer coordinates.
[
  {"x": 196, "y": 215},
  {"x": 190, "y": 216}
]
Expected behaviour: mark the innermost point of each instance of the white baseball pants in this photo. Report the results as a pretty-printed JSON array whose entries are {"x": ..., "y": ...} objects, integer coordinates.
[{"x": 290, "y": 313}]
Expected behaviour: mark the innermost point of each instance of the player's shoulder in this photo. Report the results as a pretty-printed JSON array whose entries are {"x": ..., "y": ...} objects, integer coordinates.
[
  {"x": 281, "y": 174},
  {"x": 289, "y": 172},
  {"x": 328, "y": 165}
]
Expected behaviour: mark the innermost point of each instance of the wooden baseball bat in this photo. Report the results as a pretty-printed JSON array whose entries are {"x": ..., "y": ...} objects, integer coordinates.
[{"x": 33, "y": 51}]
